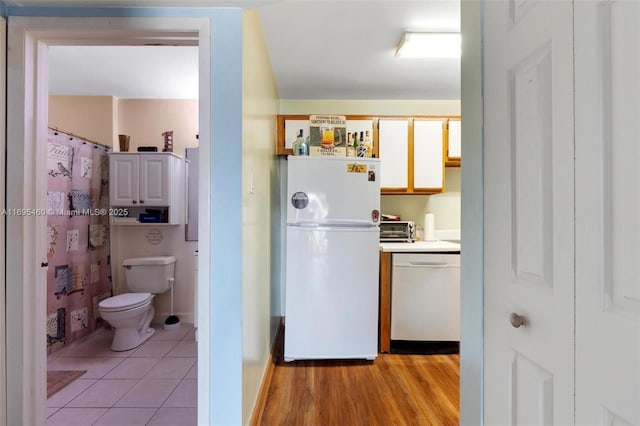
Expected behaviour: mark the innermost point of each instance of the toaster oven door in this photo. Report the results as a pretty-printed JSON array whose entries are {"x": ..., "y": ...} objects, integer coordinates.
[{"x": 394, "y": 231}]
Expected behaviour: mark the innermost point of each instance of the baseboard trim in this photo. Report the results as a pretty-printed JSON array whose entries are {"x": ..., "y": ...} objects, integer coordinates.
[{"x": 261, "y": 401}]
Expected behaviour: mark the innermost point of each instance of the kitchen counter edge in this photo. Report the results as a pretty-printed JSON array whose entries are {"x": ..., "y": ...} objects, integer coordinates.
[{"x": 421, "y": 247}]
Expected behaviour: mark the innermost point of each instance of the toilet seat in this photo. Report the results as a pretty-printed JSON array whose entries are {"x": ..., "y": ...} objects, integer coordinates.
[{"x": 125, "y": 302}]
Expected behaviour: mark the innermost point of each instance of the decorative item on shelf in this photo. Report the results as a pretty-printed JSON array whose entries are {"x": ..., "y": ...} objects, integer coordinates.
[
  {"x": 328, "y": 135},
  {"x": 147, "y": 149},
  {"x": 152, "y": 216},
  {"x": 351, "y": 148},
  {"x": 361, "y": 149},
  {"x": 300, "y": 147},
  {"x": 368, "y": 145},
  {"x": 124, "y": 142},
  {"x": 168, "y": 141}
]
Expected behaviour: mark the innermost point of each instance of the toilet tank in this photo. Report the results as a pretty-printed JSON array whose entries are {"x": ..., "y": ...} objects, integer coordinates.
[{"x": 149, "y": 274}]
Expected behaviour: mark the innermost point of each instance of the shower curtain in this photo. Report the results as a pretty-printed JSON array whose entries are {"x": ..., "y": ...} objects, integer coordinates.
[{"x": 78, "y": 275}]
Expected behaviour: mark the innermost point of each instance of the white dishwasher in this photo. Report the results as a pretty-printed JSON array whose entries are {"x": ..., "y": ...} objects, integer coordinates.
[{"x": 425, "y": 297}]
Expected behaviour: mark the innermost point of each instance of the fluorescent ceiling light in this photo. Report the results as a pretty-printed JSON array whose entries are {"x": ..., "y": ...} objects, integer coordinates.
[{"x": 429, "y": 45}]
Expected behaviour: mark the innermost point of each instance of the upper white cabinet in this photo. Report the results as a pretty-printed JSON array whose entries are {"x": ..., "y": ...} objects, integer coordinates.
[
  {"x": 428, "y": 155},
  {"x": 413, "y": 149},
  {"x": 124, "y": 171},
  {"x": 412, "y": 154},
  {"x": 155, "y": 179},
  {"x": 393, "y": 138},
  {"x": 147, "y": 181},
  {"x": 454, "y": 142}
]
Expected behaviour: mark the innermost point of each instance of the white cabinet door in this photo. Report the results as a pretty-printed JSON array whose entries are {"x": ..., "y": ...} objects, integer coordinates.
[
  {"x": 428, "y": 154},
  {"x": 454, "y": 145},
  {"x": 393, "y": 138},
  {"x": 123, "y": 182},
  {"x": 154, "y": 179}
]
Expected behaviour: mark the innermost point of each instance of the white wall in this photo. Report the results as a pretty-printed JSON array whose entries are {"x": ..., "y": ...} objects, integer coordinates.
[
  {"x": 91, "y": 117},
  {"x": 146, "y": 119},
  {"x": 259, "y": 200},
  {"x": 370, "y": 106},
  {"x": 445, "y": 206}
]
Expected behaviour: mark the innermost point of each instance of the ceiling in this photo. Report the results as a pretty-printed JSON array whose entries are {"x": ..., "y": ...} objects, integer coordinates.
[
  {"x": 319, "y": 49},
  {"x": 127, "y": 72}
]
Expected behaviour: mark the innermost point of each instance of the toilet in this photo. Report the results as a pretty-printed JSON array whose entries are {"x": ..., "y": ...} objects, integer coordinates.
[{"x": 131, "y": 313}]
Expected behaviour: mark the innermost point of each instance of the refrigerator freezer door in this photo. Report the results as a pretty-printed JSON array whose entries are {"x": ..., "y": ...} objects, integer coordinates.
[
  {"x": 333, "y": 190},
  {"x": 331, "y": 309}
]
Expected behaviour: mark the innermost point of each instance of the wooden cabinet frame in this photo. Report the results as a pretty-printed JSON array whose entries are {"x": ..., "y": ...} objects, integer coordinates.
[
  {"x": 450, "y": 161},
  {"x": 281, "y": 148},
  {"x": 411, "y": 188}
]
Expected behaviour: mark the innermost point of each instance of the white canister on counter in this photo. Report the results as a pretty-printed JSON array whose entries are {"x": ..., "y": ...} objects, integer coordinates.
[{"x": 429, "y": 227}]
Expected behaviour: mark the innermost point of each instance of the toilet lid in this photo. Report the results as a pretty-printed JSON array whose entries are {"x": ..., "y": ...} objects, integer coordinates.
[{"x": 125, "y": 301}]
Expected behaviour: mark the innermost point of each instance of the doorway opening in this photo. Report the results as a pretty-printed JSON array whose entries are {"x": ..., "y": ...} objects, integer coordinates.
[
  {"x": 93, "y": 99},
  {"x": 27, "y": 173}
]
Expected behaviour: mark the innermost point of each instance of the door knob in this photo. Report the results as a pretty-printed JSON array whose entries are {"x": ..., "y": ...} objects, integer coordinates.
[{"x": 517, "y": 320}]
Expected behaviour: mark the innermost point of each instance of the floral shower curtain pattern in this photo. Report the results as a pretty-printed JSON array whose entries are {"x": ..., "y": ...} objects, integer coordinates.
[{"x": 78, "y": 276}]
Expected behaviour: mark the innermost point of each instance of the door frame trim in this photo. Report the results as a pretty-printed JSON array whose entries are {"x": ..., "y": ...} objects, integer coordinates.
[
  {"x": 3, "y": 246},
  {"x": 472, "y": 217},
  {"x": 26, "y": 188}
]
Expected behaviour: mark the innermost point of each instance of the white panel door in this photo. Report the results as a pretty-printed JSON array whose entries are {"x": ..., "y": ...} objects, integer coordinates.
[
  {"x": 528, "y": 190},
  {"x": 607, "y": 212},
  {"x": 428, "y": 154},
  {"x": 393, "y": 137},
  {"x": 154, "y": 179}
]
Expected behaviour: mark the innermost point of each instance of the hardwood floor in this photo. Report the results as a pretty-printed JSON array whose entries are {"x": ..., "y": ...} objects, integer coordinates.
[{"x": 392, "y": 390}]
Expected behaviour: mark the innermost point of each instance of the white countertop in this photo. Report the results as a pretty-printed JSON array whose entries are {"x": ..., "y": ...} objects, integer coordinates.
[{"x": 420, "y": 247}]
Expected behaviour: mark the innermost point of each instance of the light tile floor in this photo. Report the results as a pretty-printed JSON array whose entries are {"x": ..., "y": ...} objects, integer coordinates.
[{"x": 153, "y": 384}]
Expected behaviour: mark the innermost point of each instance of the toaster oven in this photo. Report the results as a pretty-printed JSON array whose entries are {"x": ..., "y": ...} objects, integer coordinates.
[{"x": 397, "y": 231}]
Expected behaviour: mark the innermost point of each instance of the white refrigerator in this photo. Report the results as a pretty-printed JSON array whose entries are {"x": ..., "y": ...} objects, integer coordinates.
[{"x": 331, "y": 303}]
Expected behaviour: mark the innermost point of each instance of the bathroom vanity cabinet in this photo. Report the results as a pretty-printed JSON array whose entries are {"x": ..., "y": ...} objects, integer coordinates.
[{"x": 148, "y": 186}]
